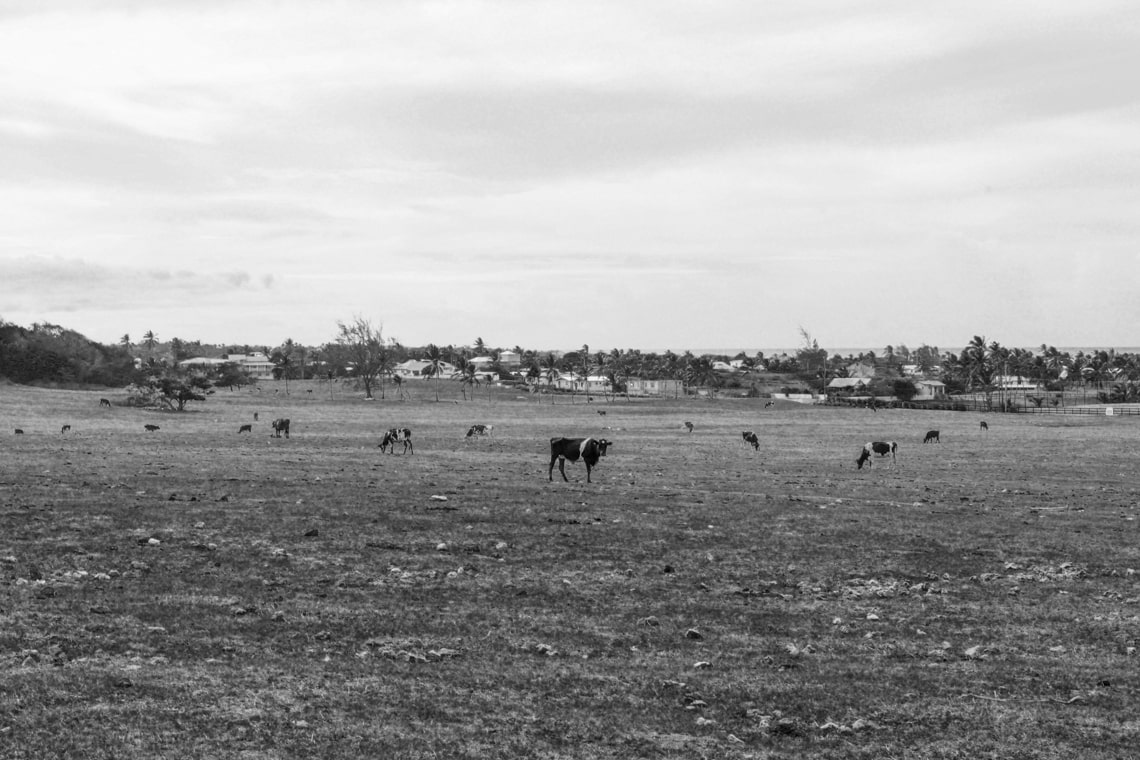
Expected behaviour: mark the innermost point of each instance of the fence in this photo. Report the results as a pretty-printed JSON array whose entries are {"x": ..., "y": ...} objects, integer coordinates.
[{"x": 980, "y": 405}]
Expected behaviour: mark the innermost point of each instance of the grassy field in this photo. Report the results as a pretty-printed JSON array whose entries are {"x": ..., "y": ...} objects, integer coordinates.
[{"x": 197, "y": 593}]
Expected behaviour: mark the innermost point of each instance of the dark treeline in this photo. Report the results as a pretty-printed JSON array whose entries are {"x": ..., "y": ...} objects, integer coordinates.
[{"x": 51, "y": 354}]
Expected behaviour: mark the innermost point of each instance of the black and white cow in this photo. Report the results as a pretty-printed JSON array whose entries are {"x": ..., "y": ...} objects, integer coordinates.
[
  {"x": 589, "y": 450},
  {"x": 280, "y": 425},
  {"x": 397, "y": 435},
  {"x": 245, "y": 429},
  {"x": 18, "y": 432},
  {"x": 65, "y": 429},
  {"x": 479, "y": 429},
  {"x": 150, "y": 428},
  {"x": 105, "y": 402},
  {"x": 689, "y": 426},
  {"x": 932, "y": 437},
  {"x": 749, "y": 437},
  {"x": 882, "y": 448},
  {"x": 984, "y": 426}
]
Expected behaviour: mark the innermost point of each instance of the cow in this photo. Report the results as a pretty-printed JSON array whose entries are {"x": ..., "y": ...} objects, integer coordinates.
[
  {"x": 932, "y": 437},
  {"x": 602, "y": 412},
  {"x": 882, "y": 448},
  {"x": 479, "y": 429},
  {"x": 104, "y": 403},
  {"x": 150, "y": 428},
  {"x": 18, "y": 432},
  {"x": 689, "y": 426},
  {"x": 65, "y": 428},
  {"x": 255, "y": 416},
  {"x": 588, "y": 449},
  {"x": 768, "y": 404},
  {"x": 280, "y": 425},
  {"x": 245, "y": 429},
  {"x": 397, "y": 435},
  {"x": 984, "y": 426},
  {"x": 749, "y": 437}
]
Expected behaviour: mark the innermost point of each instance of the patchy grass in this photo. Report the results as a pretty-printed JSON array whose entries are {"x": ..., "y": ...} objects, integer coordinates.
[{"x": 198, "y": 593}]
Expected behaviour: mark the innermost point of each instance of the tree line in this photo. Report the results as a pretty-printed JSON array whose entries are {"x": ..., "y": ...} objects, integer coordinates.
[{"x": 359, "y": 351}]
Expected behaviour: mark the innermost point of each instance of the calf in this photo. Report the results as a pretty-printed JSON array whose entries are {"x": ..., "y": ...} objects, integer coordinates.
[
  {"x": 150, "y": 428},
  {"x": 280, "y": 425},
  {"x": 882, "y": 448},
  {"x": 589, "y": 450},
  {"x": 750, "y": 437},
  {"x": 689, "y": 426},
  {"x": 984, "y": 426},
  {"x": 478, "y": 429},
  {"x": 245, "y": 429},
  {"x": 932, "y": 437},
  {"x": 65, "y": 428},
  {"x": 397, "y": 435},
  {"x": 104, "y": 403}
]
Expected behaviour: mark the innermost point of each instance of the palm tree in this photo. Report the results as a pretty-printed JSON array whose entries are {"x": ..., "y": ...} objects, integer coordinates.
[
  {"x": 435, "y": 360},
  {"x": 150, "y": 340},
  {"x": 125, "y": 341},
  {"x": 550, "y": 372}
]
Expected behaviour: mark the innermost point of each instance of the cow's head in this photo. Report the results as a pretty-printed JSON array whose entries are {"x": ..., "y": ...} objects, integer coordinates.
[
  {"x": 863, "y": 457},
  {"x": 603, "y": 444}
]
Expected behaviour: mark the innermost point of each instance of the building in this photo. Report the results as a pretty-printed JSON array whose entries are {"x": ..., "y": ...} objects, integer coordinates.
[
  {"x": 414, "y": 369},
  {"x": 637, "y": 386},
  {"x": 929, "y": 390},
  {"x": 257, "y": 365},
  {"x": 510, "y": 361}
]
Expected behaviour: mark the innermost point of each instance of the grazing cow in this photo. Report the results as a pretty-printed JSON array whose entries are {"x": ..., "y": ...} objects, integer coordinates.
[
  {"x": 882, "y": 448},
  {"x": 588, "y": 449},
  {"x": 280, "y": 425},
  {"x": 65, "y": 428},
  {"x": 245, "y": 429},
  {"x": 397, "y": 435},
  {"x": 984, "y": 426},
  {"x": 150, "y": 428},
  {"x": 749, "y": 437},
  {"x": 104, "y": 402},
  {"x": 602, "y": 412},
  {"x": 19, "y": 432},
  {"x": 932, "y": 437},
  {"x": 768, "y": 404},
  {"x": 689, "y": 426},
  {"x": 478, "y": 429}
]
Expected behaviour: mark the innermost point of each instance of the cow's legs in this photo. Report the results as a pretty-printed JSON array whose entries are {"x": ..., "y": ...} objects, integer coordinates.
[{"x": 562, "y": 468}]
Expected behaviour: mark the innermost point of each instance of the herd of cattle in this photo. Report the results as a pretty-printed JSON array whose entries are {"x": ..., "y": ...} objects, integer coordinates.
[{"x": 589, "y": 450}]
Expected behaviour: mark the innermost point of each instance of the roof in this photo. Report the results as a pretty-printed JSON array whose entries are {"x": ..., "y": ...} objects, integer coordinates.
[{"x": 846, "y": 382}]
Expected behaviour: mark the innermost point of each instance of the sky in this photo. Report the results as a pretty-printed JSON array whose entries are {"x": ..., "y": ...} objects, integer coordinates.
[{"x": 638, "y": 174}]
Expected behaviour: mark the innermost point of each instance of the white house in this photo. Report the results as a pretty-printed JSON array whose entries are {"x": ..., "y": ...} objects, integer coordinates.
[
  {"x": 929, "y": 390},
  {"x": 257, "y": 365},
  {"x": 413, "y": 369}
]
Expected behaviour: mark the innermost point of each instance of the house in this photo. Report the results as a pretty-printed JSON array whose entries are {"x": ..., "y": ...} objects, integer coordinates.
[
  {"x": 637, "y": 386},
  {"x": 846, "y": 385},
  {"x": 929, "y": 390},
  {"x": 510, "y": 361},
  {"x": 256, "y": 364},
  {"x": 414, "y": 369}
]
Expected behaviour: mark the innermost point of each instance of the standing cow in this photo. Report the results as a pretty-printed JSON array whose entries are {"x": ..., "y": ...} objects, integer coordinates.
[
  {"x": 751, "y": 438},
  {"x": 280, "y": 425},
  {"x": 882, "y": 448},
  {"x": 589, "y": 450},
  {"x": 397, "y": 435},
  {"x": 479, "y": 429}
]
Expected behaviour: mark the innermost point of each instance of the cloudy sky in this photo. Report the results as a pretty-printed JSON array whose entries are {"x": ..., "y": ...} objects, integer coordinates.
[{"x": 641, "y": 174}]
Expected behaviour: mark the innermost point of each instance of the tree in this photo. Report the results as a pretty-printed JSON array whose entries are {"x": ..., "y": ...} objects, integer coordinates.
[
  {"x": 364, "y": 348},
  {"x": 171, "y": 386},
  {"x": 125, "y": 341},
  {"x": 283, "y": 362},
  {"x": 435, "y": 360}
]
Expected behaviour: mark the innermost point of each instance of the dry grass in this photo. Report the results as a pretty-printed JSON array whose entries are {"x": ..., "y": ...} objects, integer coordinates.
[{"x": 196, "y": 593}]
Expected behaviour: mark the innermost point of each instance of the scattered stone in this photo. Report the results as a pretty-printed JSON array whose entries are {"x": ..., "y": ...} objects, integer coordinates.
[{"x": 694, "y": 634}]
